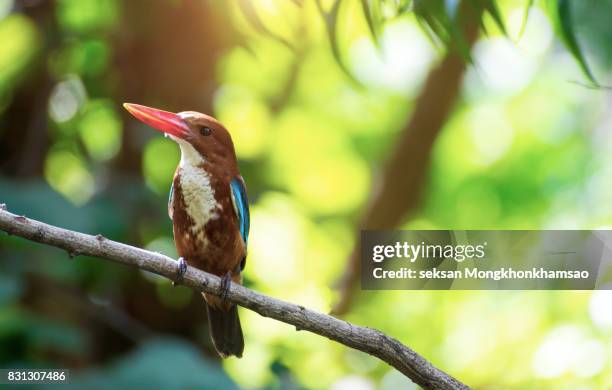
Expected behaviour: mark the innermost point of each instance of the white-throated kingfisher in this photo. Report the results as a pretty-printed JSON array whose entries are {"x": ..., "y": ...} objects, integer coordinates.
[{"x": 209, "y": 210}]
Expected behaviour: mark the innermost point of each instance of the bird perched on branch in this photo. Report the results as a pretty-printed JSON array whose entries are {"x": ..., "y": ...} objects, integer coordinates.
[{"x": 209, "y": 210}]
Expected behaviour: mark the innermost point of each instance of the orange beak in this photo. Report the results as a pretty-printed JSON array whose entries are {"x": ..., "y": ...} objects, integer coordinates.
[{"x": 164, "y": 121}]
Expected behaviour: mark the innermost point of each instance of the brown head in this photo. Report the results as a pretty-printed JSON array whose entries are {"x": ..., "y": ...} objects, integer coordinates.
[{"x": 204, "y": 133}]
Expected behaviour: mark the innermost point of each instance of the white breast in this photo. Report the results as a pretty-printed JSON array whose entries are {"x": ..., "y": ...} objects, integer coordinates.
[{"x": 198, "y": 194}]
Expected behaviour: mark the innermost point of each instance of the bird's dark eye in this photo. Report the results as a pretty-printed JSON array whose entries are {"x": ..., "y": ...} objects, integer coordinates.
[{"x": 205, "y": 131}]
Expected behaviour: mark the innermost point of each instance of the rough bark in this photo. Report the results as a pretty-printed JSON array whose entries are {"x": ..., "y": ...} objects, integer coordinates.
[{"x": 368, "y": 340}]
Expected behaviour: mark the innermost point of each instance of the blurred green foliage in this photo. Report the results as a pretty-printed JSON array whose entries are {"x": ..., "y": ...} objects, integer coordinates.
[
  {"x": 20, "y": 43},
  {"x": 526, "y": 148},
  {"x": 160, "y": 364}
]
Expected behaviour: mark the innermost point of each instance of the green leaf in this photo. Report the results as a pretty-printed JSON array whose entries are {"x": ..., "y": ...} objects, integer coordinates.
[
  {"x": 404, "y": 6},
  {"x": 371, "y": 11},
  {"x": 442, "y": 19},
  {"x": 563, "y": 22},
  {"x": 491, "y": 7},
  {"x": 331, "y": 18},
  {"x": 434, "y": 16},
  {"x": 250, "y": 13},
  {"x": 525, "y": 17}
]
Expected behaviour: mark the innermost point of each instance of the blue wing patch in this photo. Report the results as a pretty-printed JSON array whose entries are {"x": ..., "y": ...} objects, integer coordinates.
[
  {"x": 170, "y": 201},
  {"x": 241, "y": 206}
]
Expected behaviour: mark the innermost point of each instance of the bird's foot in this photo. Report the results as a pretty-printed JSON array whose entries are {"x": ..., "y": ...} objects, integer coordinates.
[
  {"x": 181, "y": 269},
  {"x": 226, "y": 283}
]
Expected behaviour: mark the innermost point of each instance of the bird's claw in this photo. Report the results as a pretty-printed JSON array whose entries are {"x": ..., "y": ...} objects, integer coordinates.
[
  {"x": 226, "y": 283},
  {"x": 181, "y": 269}
]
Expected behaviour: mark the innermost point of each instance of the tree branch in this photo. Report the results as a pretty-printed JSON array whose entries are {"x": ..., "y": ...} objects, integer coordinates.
[
  {"x": 368, "y": 340},
  {"x": 398, "y": 191}
]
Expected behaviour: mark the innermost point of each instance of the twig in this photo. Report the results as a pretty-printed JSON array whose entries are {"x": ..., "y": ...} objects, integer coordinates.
[{"x": 368, "y": 340}]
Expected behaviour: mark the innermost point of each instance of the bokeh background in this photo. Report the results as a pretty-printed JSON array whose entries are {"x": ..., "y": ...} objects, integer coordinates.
[{"x": 318, "y": 111}]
